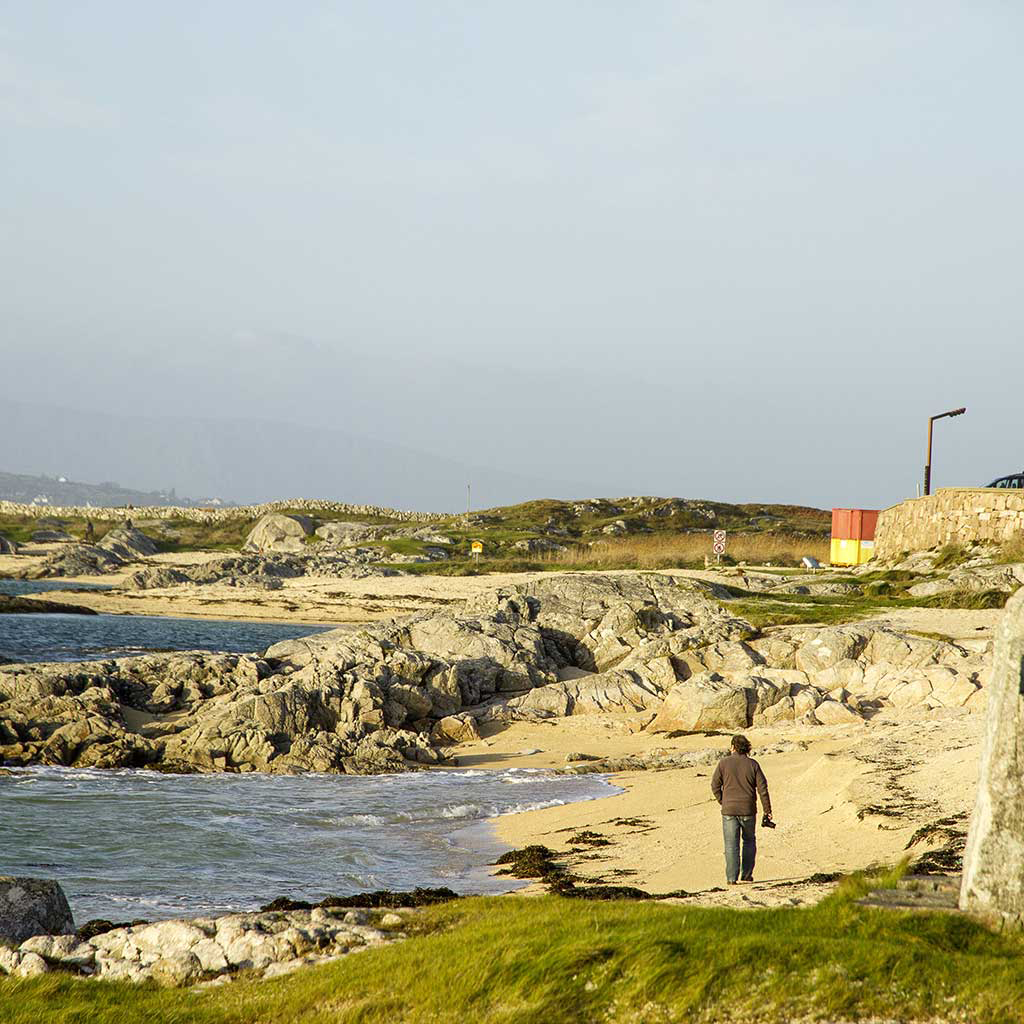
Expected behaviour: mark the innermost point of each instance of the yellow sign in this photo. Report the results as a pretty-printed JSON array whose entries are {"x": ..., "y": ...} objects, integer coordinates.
[{"x": 477, "y": 547}]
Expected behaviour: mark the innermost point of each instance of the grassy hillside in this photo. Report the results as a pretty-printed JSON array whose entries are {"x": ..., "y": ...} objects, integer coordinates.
[
  {"x": 640, "y": 532},
  {"x": 555, "y": 961}
]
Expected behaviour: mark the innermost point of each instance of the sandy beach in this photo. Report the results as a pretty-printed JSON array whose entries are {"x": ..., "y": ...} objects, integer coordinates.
[{"x": 845, "y": 799}]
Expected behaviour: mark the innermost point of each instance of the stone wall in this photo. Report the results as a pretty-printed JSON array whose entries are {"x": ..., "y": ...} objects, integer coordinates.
[
  {"x": 216, "y": 515},
  {"x": 957, "y": 515}
]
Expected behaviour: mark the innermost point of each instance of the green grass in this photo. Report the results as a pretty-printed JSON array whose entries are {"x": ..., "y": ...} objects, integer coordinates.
[
  {"x": 771, "y": 612},
  {"x": 950, "y": 555},
  {"x": 762, "y": 610},
  {"x": 554, "y": 961},
  {"x": 185, "y": 535},
  {"x": 400, "y": 546},
  {"x": 973, "y": 599}
]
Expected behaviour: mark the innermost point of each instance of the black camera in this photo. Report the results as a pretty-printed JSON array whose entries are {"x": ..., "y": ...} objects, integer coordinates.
[{"x": 767, "y": 822}]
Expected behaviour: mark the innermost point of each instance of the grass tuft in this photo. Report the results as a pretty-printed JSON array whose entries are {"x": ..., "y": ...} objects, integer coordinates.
[{"x": 949, "y": 556}]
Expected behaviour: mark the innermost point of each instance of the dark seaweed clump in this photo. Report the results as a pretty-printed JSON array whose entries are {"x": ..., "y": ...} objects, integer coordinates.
[
  {"x": 379, "y": 899},
  {"x": 99, "y": 926}
]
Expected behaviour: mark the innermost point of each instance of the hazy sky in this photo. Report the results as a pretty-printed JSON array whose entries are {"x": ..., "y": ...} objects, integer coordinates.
[{"x": 735, "y": 250}]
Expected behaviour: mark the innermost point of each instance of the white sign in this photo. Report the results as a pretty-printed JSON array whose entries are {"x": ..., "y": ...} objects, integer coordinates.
[{"x": 719, "y": 542}]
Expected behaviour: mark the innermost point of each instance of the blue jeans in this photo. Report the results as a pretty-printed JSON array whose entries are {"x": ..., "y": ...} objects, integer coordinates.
[{"x": 739, "y": 863}]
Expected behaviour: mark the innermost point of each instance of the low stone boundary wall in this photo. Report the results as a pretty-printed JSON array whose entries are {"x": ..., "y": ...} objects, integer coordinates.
[
  {"x": 216, "y": 515},
  {"x": 953, "y": 515}
]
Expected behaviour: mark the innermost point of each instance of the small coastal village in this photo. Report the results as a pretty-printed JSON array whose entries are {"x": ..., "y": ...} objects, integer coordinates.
[{"x": 863, "y": 689}]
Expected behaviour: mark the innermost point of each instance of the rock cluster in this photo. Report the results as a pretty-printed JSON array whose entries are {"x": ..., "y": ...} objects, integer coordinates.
[
  {"x": 183, "y": 952},
  {"x": 382, "y": 698},
  {"x": 369, "y": 700},
  {"x": 266, "y": 572},
  {"x": 15, "y": 605},
  {"x": 973, "y": 578},
  {"x": 820, "y": 677},
  {"x": 118, "y": 548}
]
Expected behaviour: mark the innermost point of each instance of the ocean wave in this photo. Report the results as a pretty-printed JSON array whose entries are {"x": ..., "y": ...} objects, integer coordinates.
[{"x": 232, "y": 842}]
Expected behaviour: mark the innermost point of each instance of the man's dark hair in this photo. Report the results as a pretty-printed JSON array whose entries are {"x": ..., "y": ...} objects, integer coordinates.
[{"x": 741, "y": 744}]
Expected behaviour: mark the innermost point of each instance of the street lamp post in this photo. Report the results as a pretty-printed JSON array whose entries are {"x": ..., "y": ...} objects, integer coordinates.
[{"x": 928, "y": 463}]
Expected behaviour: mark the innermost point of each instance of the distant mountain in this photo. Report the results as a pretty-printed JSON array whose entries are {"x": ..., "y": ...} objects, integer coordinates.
[
  {"x": 257, "y": 459},
  {"x": 48, "y": 490}
]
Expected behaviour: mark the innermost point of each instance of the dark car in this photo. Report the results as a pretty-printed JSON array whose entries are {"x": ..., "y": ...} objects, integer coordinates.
[{"x": 1016, "y": 481}]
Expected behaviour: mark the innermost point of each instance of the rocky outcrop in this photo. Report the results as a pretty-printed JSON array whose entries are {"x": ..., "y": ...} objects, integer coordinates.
[
  {"x": 51, "y": 536},
  {"x": 342, "y": 534},
  {"x": 128, "y": 544},
  {"x": 380, "y": 698},
  {"x": 538, "y": 546},
  {"x": 118, "y": 548},
  {"x": 278, "y": 532},
  {"x": 14, "y": 605},
  {"x": 972, "y": 579},
  {"x": 993, "y": 878},
  {"x": 77, "y": 560},
  {"x": 831, "y": 676},
  {"x": 367, "y": 700},
  {"x": 184, "y": 952},
  {"x": 265, "y": 571},
  {"x": 7, "y": 547},
  {"x": 32, "y": 906}
]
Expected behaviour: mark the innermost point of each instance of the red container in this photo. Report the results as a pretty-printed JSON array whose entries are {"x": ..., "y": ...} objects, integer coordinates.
[{"x": 854, "y": 523}]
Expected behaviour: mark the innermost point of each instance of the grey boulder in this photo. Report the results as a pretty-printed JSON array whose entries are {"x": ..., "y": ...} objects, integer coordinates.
[{"x": 32, "y": 906}]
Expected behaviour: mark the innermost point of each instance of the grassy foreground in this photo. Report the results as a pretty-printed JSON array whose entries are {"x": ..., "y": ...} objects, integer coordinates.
[{"x": 555, "y": 961}]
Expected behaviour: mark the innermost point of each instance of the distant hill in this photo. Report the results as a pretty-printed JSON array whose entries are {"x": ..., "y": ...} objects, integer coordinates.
[
  {"x": 48, "y": 490},
  {"x": 249, "y": 461}
]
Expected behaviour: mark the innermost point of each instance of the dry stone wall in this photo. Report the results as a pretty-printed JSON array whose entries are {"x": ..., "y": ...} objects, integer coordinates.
[
  {"x": 217, "y": 515},
  {"x": 957, "y": 515}
]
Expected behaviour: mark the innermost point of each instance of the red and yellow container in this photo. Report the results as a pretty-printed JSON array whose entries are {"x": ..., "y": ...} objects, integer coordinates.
[{"x": 853, "y": 535}]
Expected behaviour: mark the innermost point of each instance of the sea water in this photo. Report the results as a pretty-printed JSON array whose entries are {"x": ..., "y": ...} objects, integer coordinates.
[
  {"x": 65, "y": 637},
  {"x": 137, "y": 844}
]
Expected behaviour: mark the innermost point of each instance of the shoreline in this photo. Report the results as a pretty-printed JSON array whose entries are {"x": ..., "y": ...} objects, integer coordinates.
[{"x": 663, "y": 830}]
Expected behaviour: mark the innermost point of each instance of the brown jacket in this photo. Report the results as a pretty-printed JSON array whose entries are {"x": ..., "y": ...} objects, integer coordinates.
[{"x": 737, "y": 782}]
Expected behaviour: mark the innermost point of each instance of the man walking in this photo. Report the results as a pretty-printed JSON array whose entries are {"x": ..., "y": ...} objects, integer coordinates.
[{"x": 737, "y": 782}]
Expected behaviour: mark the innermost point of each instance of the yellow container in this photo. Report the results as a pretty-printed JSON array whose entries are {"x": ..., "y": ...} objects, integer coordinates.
[{"x": 851, "y": 552}]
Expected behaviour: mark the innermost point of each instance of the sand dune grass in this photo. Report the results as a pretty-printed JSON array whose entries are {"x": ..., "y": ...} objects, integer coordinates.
[
  {"x": 554, "y": 961},
  {"x": 671, "y": 550}
]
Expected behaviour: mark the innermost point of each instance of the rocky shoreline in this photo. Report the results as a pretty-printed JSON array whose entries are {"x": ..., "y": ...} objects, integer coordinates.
[
  {"x": 393, "y": 696},
  {"x": 205, "y": 951}
]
